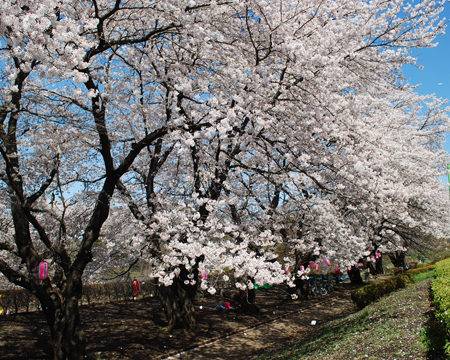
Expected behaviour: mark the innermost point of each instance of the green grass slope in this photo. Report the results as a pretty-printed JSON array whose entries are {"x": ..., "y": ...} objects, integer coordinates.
[{"x": 398, "y": 326}]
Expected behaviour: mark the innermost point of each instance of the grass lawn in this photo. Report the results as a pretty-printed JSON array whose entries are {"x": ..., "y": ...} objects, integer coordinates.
[{"x": 398, "y": 326}]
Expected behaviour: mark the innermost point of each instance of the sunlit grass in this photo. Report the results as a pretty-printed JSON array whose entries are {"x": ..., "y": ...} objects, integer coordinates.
[
  {"x": 423, "y": 276},
  {"x": 391, "y": 328}
]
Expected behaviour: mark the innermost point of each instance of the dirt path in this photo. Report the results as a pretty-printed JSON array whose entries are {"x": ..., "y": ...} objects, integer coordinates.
[
  {"x": 131, "y": 330},
  {"x": 245, "y": 343}
]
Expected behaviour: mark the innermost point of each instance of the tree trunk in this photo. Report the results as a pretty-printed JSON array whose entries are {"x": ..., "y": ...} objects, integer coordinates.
[
  {"x": 177, "y": 304},
  {"x": 69, "y": 339},
  {"x": 300, "y": 287},
  {"x": 355, "y": 276},
  {"x": 178, "y": 299},
  {"x": 398, "y": 259},
  {"x": 247, "y": 301},
  {"x": 63, "y": 318},
  {"x": 378, "y": 268},
  {"x": 379, "y": 265}
]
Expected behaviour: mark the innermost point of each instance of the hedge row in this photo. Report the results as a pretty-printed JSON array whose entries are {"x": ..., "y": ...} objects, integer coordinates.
[
  {"x": 440, "y": 293},
  {"x": 369, "y": 293},
  {"x": 98, "y": 293},
  {"x": 20, "y": 300},
  {"x": 15, "y": 301}
]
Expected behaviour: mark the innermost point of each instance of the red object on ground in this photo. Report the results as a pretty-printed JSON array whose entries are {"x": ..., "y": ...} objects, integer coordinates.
[
  {"x": 43, "y": 270},
  {"x": 136, "y": 288},
  {"x": 227, "y": 305}
]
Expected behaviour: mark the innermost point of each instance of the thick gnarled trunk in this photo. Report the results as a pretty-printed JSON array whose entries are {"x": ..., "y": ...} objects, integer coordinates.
[
  {"x": 247, "y": 301},
  {"x": 398, "y": 259},
  {"x": 63, "y": 318},
  {"x": 178, "y": 304},
  {"x": 377, "y": 269},
  {"x": 69, "y": 338},
  {"x": 355, "y": 276}
]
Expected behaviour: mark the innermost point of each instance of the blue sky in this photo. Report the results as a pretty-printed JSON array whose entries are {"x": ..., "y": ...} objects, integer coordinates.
[{"x": 435, "y": 77}]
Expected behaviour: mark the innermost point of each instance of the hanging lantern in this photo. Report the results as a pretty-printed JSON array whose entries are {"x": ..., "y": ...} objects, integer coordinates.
[
  {"x": 317, "y": 267},
  {"x": 356, "y": 265},
  {"x": 373, "y": 258},
  {"x": 328, "y": 262},
  {"x": 136, "y": 288},
  {"x": 321, "y": 260},
  {"x": 349, "y": 268},
  {"x": 311, "y": 264},
  {"x": 365, "y": 262},
  {"x": 336, "y": 268},
  {"x": 286, "y": 271},
  {"x": 302, "y": 268},
  {"x": 204, "y": 276},
  {"x": 43, "y": 270}
]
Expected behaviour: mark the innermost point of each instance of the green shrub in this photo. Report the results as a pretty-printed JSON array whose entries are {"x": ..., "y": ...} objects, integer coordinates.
[
  {"x": 369, "y": 293},
  {"x": 421, "y": 270},
  {"x": 440, "y": 292}
]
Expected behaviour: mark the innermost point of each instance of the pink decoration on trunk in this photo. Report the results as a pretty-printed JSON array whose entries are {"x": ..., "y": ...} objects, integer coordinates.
[
  {"x": 328, "y": 262},
  {"x": 43, "y": 270}
]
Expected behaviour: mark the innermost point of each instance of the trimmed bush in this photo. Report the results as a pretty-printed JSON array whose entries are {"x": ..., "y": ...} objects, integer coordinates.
[
  {"x": 420, "y": 270},
  {"x": 440, "y": 293},
  {"x": 17, "y": 300},
  {"x": 369, "y": 293}
]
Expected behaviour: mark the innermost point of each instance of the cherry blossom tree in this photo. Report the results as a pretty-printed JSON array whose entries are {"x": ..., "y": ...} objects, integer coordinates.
[
  {"x": 334, "y": 173},
  {"x": 190, "y": 110},
  {"x": 56, "y": 132}
]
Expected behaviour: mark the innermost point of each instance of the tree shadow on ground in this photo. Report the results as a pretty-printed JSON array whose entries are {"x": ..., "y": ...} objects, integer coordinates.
[
  {"x": 433, "y": 335},
  {"x": 138, "y": 329}
]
